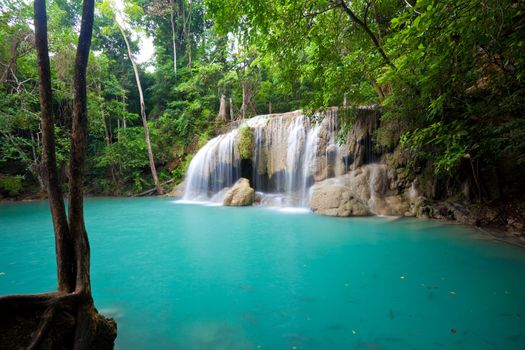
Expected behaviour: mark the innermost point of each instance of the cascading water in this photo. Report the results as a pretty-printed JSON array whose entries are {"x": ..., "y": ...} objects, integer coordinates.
[
  {"x": 290, "y": 153},
  {"x": 214, "y": 167}
]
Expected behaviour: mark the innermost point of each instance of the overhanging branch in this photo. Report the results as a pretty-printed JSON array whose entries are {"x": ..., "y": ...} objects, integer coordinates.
[{"x": 368, "y": 31}]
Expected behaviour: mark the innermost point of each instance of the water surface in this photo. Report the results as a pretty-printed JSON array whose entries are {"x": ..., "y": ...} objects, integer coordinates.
[{"x": 179, "y": 276}]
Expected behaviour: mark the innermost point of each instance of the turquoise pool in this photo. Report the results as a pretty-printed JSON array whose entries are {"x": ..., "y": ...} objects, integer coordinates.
[{"x": 181, "y": 276}]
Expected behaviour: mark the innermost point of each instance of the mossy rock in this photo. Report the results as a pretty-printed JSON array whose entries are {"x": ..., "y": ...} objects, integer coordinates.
[{"x": 246, "y": 142}]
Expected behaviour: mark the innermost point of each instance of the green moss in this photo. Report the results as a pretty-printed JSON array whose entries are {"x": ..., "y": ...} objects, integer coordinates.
[{"x": 245, "y": 144}]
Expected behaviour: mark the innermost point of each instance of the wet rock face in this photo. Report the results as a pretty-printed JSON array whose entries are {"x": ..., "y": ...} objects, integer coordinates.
[
  {"x": 367, "y": 190},
  {"x": 178, "y": 190},
  {"x": 241, "y": 194},
  {"x": 337, "y": 200}
]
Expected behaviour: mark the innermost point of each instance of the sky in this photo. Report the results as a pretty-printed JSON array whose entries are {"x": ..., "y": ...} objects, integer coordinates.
[{"x": 147, "y": 50}]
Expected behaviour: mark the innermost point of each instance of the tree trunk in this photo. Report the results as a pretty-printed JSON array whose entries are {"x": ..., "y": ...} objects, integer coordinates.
[
  {"x": 245, "y": 97},
  {"x": 188, "y": 40},
  {"x": 143, "y": 114},
  {"x": 124, "y": 112},
  {"x": 378, "y": 89},
  {"x": 173, "y": 36},
  {"x": 13, "y": 53},
  {"x": 376, "y": 17},
  {"x": 223, "y": 109},
  {"x": 232, "y": 117},
  {"x": 66, "y": 319},
  {"x": 64, "y": 248},
  {"x": 36, "y": 165},
  {"x": 107, "y": 138},
  {"x": 187, "y": 31},
  {"x": 248, "y": 102}
]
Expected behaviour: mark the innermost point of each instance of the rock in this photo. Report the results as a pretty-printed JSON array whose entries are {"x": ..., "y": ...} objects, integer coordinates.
[
  {"x": 357, "y": 180},
  {"x": 241, "y": 194},
  {"x": 364, "y": 191},
  {"x": 394, "y": 205},
  {"x": 332, "y": 199},
  {"x": 178, "y": 190}
]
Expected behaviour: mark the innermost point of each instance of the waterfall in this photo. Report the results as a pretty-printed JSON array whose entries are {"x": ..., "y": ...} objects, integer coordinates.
[
  {"x": 213, "y": 168},
  {"x": 290, "y": 152}
]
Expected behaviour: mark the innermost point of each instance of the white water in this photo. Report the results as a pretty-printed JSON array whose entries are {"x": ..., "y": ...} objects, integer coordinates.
[{"x": 289, "y": 152}]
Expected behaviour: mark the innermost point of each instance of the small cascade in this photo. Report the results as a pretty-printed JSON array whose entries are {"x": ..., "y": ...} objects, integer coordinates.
[
  {"x": 378, "y": 185},
  {"x": 290, "y": 152},
  {"x": 213, "y": 168}
]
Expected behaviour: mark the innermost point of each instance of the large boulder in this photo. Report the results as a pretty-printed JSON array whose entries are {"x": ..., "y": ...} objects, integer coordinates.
[
  {"x": 241, "y": 194},
  {"x": 367, "y": 190},
  {"x": 334, "y": 199}
]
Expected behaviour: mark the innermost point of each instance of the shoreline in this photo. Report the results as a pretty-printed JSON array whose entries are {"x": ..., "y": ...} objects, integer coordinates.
[{"x": 495, "y": 233}]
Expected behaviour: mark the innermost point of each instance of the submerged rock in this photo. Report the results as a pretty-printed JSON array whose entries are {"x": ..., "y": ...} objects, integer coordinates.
[{"x": 241, "y": 194}]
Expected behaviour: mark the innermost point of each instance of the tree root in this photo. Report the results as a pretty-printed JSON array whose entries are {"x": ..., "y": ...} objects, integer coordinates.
[
  {"x": 53, "y": 321},
  {"x": 45, "y": 323}
]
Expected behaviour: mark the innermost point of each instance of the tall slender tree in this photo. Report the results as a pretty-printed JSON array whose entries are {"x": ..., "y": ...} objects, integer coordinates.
[
  {"x": 143, "y": 116},
  {"x": 173, "y": 35}
]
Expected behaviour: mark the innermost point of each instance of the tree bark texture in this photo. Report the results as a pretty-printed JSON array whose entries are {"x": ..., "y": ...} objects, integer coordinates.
[{"x": 64, "y": 249}]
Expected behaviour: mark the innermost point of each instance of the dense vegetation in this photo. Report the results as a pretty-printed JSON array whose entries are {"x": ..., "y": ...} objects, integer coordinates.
[{"x": 448, "y": 76}]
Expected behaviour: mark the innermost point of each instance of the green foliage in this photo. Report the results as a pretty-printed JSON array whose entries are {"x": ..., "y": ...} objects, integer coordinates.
[
  {"x": 458, "y": 88},
  {"x": 451, "y": 89},
  {"x": 179, "y": 172},
  {"x": 11, "y": 185},
  {"x": 246, "y": 142}
]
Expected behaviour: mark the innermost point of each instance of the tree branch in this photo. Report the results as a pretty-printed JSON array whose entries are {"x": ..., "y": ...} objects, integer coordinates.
[
  {"x": 313, "y": 14},
  {"x": 369, "y": 32}
]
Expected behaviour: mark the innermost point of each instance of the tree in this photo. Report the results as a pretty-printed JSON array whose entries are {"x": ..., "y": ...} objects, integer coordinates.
[
  {"x": 109, "y": 11},
  {"x": 67, "y": 318},
  {"x": 143, "y": 114}
]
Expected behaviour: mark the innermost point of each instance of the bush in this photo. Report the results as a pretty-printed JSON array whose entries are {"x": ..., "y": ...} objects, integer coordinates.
[{"x": 11, "y": 185}]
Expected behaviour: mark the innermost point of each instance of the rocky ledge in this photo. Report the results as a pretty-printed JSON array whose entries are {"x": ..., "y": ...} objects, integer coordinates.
[{"x": 365, "y": 191}]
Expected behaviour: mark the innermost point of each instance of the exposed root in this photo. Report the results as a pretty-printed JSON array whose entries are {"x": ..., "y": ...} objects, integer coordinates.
[
  {"x": 45, "y": 323},
  {"x": 53, "y": 320}
]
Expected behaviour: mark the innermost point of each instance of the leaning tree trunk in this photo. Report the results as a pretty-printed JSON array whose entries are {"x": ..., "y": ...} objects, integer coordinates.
[
  {"x": 66, "y": 319},
  {"x": 143, "y": 114}
]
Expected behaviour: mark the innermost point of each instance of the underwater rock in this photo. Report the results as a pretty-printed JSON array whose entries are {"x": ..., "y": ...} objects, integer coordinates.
[{"x": 241, "y": 194}]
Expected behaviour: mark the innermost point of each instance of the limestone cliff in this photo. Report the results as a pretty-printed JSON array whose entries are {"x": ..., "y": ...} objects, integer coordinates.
[{"x": 313, "y": 161}]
